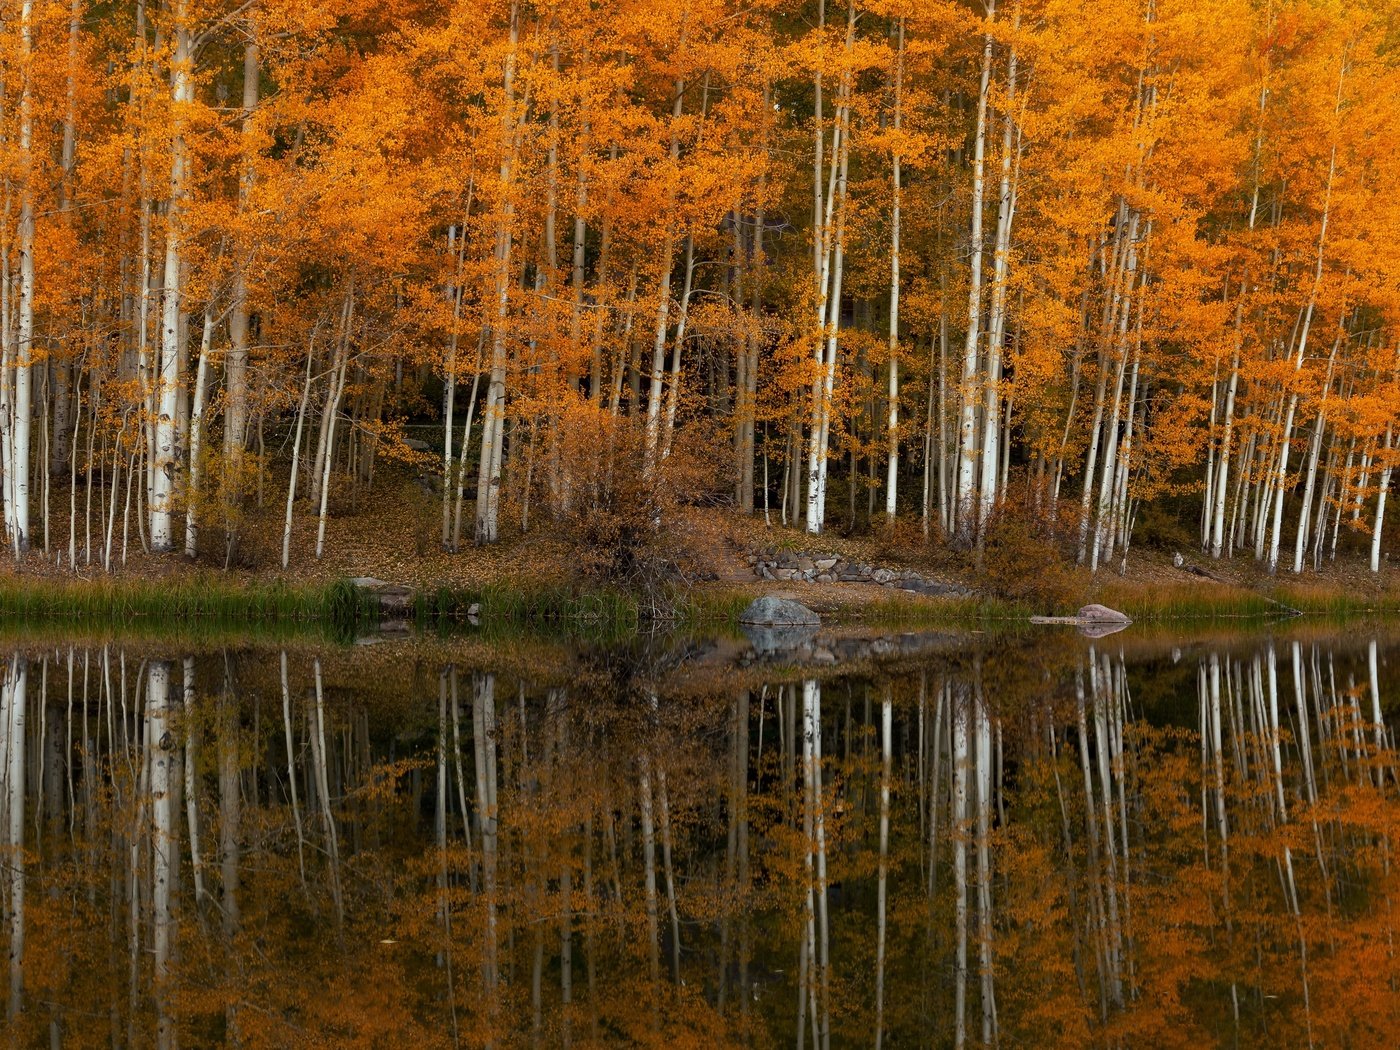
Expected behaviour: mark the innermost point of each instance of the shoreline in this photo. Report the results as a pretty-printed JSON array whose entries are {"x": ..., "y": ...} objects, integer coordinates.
[{"x": 212, "y": 598}]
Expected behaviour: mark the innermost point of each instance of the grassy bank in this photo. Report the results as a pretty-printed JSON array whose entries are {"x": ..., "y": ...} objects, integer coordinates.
[
  {"x": 207, "y": 599},
  {"x": 1220, "y": 601},
  {"x": 611, "y": 614},
  {"x": 214, "y": 603},
  {"x": 710, "y": 606}
]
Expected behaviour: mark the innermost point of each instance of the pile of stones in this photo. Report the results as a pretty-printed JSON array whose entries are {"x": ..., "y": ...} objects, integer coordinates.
[{"x": 831, "y": 568}]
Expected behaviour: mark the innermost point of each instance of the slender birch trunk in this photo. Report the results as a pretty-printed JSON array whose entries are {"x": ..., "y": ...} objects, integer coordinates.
[
  {"x": 164, "y": 860},
  {"x": 1222, "y": 468},
  {"x": 14, "y": 699},
  {"x": 828, "y": 222},
  {"x": 291, "y": 766},
  {"x": 958, "y": 829},
  {"x": 967, "y": 429},
  {"x": 296, "y": 457},
  {"x": 1314, "y": 454},
  {"x": 17, "y": 466},
  {"x": 1123, "y": 355},
  {"x": 1281, "y": 475},
  {"x": 165, "y": 455},
  {"x": 996, "y": 319},
  {"x": 655, "y": 392},
  {"x": 886, "y": 762},
  {"x": 828, "y": 375},
  {"x": 892, "y": 419},
  {"x": 330, "y": 416},
  {"x": 673, "y": 393},
  {"x": 488, "y": 480},
  {"x": 201, "y": 382},
  {"x": 1380, "y": 499},
  {"x": 454, "y": 292},
  {"x": 239, "y": 318}
]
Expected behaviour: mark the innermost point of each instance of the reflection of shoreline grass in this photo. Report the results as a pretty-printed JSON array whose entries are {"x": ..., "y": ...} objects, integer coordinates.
[{"x": 195, "y": 635}]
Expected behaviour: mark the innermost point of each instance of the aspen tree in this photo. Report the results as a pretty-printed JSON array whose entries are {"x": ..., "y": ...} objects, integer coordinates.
[
  {"x": 1222, "y": 469},
  {"x": 967, "y": 425},
  {"x": 239, "y": 315},
  {"x": 829, "y": 248},
  {"x": 488, "y": 482},
  {"x": 20, "y": 410},
  {"x": 1306, "y": 318},
  {"x": 892, "y": 421},
  {"x": 196, "y": 436},
  {"x": 1382, "y": 491},
  {"x": 164, "y": 454},
  {"x": 996, "y": 325}
]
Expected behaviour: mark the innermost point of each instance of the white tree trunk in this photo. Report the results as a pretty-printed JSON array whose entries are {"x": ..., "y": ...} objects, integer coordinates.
[
  {"x": 291, "y": 768},
  {"x": 17, "y": 464},
  {"x": 493, "y": 418},
  {"x": 160, "y": 756},
  {"x": 327, "y": 459},
  {"x": 958, "y": 825},
  {"x": 1380, "y": 503},
  {"x": 834, "y": 326},
  {"x": 892, "y": 421},
  {"x": 296, "y": 458},
  {"x": 201, "y": 382},
  {"x": 14, "y": 723},
  {"x": 236, "y": 361},
  {"x": 996, "y": 326},
  {"x": 165, "y": 455},
  {"x": 484, "y": 739},
  {"x": 886, "y": 764},
  {"x": 1281, "y": 476},
  {"x": 812, "y": 775},
  {"x": 827, "y": 238},
  {"x": 673, "y": 393},
  {"x": 192, "y": 783},
  {"x": 967, "y": 430},
  {"x": 1222, "y": 466}
]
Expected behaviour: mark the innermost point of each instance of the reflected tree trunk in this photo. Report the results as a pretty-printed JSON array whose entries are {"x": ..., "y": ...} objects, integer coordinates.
[
  {"x": 886, "y": 764},
  {"x": 160, "y": 743},
  {"x": 15, "y": 726}
]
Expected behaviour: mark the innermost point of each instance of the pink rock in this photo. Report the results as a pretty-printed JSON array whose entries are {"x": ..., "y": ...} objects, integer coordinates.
[{"x": 1103, "y": 614}]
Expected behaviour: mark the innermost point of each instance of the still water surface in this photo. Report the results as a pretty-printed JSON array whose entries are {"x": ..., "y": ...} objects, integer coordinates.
[{"x": 926, "y": 841}]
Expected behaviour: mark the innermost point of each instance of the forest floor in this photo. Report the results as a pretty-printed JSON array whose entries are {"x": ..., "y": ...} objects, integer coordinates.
[{"x": 393, "y": 533}]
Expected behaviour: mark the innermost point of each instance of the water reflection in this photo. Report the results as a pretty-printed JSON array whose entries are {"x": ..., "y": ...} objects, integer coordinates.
[{"x": 1082, "y": 845}]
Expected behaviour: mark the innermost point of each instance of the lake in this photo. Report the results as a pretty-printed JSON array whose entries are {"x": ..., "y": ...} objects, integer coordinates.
[{"x": 1156, "y": 838}]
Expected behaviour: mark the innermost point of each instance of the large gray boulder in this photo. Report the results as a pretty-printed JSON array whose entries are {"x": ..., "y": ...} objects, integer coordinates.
[
  {"x": 778, "y": 612},
  {"x": 1102, "y": 614}
]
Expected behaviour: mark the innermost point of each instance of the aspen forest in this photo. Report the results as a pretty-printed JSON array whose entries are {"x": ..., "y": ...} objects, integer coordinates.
[
  {"x": 699, "y": 524},
  {"x": 919, "y": 265}
]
